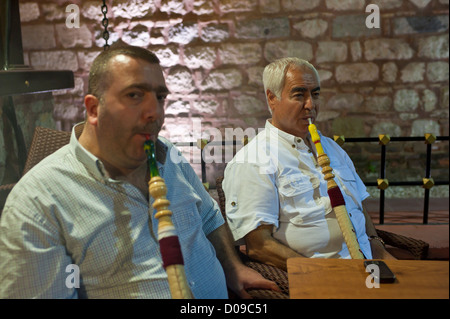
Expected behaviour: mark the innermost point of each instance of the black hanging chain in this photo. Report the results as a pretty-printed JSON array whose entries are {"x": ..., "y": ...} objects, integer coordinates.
[{"x": 105, "y": 23}]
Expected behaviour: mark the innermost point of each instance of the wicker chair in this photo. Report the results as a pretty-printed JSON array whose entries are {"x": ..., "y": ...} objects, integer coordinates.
[
  {"x": 45, "y": 142},
  {"x": 418, "y": 248},
  {"x": 273, "y": 273}
]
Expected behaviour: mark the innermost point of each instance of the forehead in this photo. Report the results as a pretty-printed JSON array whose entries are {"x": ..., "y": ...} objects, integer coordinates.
[
  {"x": 126, "y": 70},
  {"x": 301, "y": 77}
]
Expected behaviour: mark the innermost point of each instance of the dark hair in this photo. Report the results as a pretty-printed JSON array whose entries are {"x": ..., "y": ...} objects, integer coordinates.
[{"x": 99, "y": 74}]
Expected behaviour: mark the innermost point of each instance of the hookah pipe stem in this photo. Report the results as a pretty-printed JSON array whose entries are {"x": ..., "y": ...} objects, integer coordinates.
[
  {"x": 336, "y": 198},
  {"x": 168, "y": 239}
]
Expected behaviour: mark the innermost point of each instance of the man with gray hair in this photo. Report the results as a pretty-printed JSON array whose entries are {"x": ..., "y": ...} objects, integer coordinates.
[{"x": 277, "y": 202}]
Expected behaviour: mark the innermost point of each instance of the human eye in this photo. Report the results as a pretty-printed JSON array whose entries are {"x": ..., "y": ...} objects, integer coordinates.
[
  {"x": 135, "y": 95},
  {"x": 298, "y": 95},
  {"x": 161, "y": 97}
]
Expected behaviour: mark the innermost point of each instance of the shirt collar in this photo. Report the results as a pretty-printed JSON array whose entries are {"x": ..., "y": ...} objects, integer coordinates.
[{"x": 293, "y": 140}]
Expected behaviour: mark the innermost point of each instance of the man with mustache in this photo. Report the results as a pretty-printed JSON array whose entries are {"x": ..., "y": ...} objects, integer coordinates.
[
  {"x": 87, "y": 204},
  {"x": 277, "y": 201}
]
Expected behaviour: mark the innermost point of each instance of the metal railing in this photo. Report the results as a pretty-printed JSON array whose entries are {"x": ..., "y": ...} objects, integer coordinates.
[{"x": 382, "y": 183}]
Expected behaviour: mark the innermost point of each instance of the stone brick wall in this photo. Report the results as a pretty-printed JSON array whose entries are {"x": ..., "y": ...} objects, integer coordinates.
[{"x": 387, "y": 80}]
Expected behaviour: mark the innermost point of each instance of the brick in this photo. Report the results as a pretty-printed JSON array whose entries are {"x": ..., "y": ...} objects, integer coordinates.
[
  {"x": 180, "y": 81},
  {"x": 53, "y": 11},
  {"x": 280, "y": 49},
  {"x": 341, "y": 5},
  {"x": 434, "y": 47},
  {"x": 389, "y": 72},
  {"x": 421, "y": 126},
  {"x": 38, "y": 37},
  {"x": 222, "y": 79},
  {"x": 311, "y": 28},
  {"x": 138, "y": 36},
  {"x": 420, "y": 24},
  {"x": 429, "y": 100},
  {"x": 386, "y": 127},
  {"x": 237, "y": 6},
  {"x": 248, "y": 104},
  {"x": 203, "y": 7},
  {"x": 240, "y": 53},
  {"x": 355, "y": 50},
  {"x": 132, "y": 9},
  {"x": 353, "y": 26},
  {"x": 438, "y": 71},
  {"x": 199, "y": 57},
  {"x": 263, "y": 28},
  {"x": 183, "y": 33},
  {"x": 324, "y": 75},
  {"x": 357, "y": 72},
  {"x": 299, "y": 5},
  {"x": 378, "y": 103},
  {"x": 215, "y": 32},
  {"x": 343, "y": 101},
  {"x": 349, "y": 126},
  {"x": 387, "y": 4},
  {"x": 413, "y": 72},
  {"x": 29, "y": 11},
  {"x": 420, "y": 3},
  {"x": 167, "y": 55},
  {"x": 74, "y": 37},
  {"x": 387, "y": 49},
  {"x": 206, "y": 106},
  {"x": 331, "y": 51},
  {"x": 406, "y": 100},
  {"x": 91, "y": 10},
  {"x": 255, "y": 76},
  {"x": 269, "y": 6},
  {"x": 173, "y": 6},
  {"x": 54, "y": 60},
  {"x": 177, "y": 108}
]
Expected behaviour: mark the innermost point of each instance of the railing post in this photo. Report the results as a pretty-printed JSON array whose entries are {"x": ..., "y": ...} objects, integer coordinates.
[
  {"x": 427, "y": 181},
  {"x": 383, "y": 183}
]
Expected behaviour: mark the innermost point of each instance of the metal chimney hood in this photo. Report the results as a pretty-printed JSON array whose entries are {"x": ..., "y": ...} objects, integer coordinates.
[{"x": 15, "y": 77}]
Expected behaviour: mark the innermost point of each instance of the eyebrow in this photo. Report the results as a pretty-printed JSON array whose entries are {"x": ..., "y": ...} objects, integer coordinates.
[
  {"x": 303, "y": 89},
  {"x": 147, "y": 87}
]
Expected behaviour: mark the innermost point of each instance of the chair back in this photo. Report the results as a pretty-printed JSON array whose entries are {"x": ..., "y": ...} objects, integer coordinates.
[{"x": 45, "y": 142}]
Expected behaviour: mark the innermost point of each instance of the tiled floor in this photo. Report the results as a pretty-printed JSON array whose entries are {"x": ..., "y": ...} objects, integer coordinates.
[{"x": 410, "y": 211}]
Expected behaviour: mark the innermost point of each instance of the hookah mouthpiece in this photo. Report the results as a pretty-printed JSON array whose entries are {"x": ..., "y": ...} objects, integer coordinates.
[{"x": 149, "y": 148}]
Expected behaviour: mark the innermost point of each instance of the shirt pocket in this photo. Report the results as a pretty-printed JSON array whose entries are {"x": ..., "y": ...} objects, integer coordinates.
[
  {"x": 293, "y": 185},
  {"x": 347, "y": 178},
  {"x": 297, "y": 204}
]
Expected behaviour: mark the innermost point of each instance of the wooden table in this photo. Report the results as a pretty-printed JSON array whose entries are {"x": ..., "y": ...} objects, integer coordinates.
[{"x": 311, "y": 278}]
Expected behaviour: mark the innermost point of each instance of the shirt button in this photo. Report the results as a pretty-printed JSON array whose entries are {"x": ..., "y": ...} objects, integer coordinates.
[
  {"x": 309, "y": 151},
  {"x": 299, "y": 140},
  {"x": 293, "y": 145},
  {"x": 233, "y": 204}
]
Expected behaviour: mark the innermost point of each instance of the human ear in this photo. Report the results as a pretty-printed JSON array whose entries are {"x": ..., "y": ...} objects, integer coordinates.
[
  {"x": 272, "y": 100},
  {"x": 91, "y": 103}
]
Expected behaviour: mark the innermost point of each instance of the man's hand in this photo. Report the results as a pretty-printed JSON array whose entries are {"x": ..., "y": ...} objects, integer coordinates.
[
  {"x": 238, "y": 276},
  {"x": 247, "y": 278}
]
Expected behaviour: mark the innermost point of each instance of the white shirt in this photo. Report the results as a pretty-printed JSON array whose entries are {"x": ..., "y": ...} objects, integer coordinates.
[
  {"x": 276, "y": 180},
  {"x": 66, "y": 210}
]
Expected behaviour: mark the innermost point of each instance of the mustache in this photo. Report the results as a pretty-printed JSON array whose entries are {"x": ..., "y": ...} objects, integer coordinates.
[{"x": 152, "y": 128}]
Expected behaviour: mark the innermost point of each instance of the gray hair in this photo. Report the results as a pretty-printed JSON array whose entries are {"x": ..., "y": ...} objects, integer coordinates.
[{"x": 275, "y": 72}]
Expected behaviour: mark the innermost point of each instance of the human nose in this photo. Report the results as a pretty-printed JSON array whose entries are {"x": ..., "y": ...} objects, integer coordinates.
[
  {"x": 153, "y": 107},
  {"x": 309, "y": 103}
]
